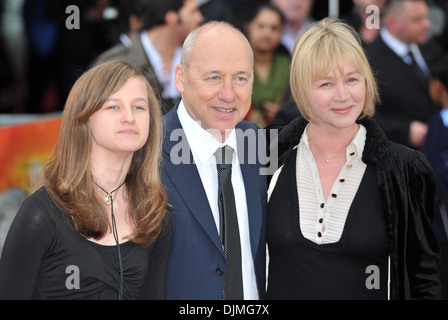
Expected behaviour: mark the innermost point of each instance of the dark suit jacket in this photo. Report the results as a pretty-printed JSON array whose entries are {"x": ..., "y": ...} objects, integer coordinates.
[
  {"x": 197, "y": 264},
  {"x": 404, "y": 97},
  {"x": 136, "y": 55},
  {"x": 436, "y": 149}
]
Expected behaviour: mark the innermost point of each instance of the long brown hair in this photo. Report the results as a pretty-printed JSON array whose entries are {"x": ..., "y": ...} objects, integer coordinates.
[{"x": 68, "y": 177}]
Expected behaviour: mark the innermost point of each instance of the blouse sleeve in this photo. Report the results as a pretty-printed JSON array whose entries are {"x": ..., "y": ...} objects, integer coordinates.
[{"x": 25, "y": 246}]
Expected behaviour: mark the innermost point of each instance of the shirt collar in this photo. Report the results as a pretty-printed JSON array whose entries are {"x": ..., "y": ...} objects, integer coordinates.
[
  {"x": 397, "y": 46},
  {"x": 156, "y": 60},
  {"x": 444, "y": 115},
  {"x": 205, "y": 144},
  {"x": 125, "y": 40},
  {"x": 356, "y": 146},
  {"x": 151, "y": 52},
  {"x": 358, "y": 143}
]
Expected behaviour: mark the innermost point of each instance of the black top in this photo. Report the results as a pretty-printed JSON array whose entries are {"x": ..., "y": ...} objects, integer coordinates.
[
  {"x": 407, "y": 185},
  {"x": 355, "y": 267},
  {"x": 44, "y": 257}
]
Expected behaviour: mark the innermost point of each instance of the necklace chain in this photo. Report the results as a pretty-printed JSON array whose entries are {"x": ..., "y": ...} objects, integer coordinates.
[
  {"x": 349, "y": 165},
  {"x": 109, "y": 194},
  {"x": 115, "y": 232},
  {"x": 327, "y": 159}
]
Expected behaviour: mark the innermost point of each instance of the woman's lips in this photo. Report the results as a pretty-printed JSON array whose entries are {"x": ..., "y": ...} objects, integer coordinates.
[
  {"x": 128, "y": 131},
  {"x": 343, "y": 110}
]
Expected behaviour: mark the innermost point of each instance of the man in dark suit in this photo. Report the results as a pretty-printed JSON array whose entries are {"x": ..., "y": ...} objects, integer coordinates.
[
  {"x": 402, "y": 72},
  {"x": 215, "y": 79},
  {"x": 435, "y": 148},
  {"x": 165, "y": 25}
]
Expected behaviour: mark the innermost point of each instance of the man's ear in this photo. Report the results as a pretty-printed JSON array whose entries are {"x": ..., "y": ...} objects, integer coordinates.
[
  {"x": 172, "y": 18},
  {"x": 179, "y": 78},
  {"x": 436, "y": 90}
]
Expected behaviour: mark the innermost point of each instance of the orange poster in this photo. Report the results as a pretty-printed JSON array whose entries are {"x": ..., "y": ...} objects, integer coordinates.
[{"x": 24, "y": 149}]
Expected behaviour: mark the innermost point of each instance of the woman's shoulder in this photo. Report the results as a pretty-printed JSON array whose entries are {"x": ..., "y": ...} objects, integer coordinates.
[
  {"x": 409, "y": 158},
  {"x": 38, "y": 209},
  {"x": 39, "y": 199},
  {"x": 36, "y": 220},
  {"x": 389, "y": 155}
]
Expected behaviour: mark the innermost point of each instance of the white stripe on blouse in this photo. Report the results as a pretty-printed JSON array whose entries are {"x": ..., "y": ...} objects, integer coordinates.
[{"x": 323, "y": 220}]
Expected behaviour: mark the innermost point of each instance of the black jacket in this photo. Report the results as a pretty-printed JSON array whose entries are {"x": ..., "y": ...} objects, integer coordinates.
[
  {"x": 435, "y": 148},
  {"x": 403, "y": 96},
  {"x": 407, "y": 187}
]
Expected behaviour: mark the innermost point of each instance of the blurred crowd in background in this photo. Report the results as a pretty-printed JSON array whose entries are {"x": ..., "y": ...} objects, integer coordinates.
[{"x": 40, "y": 58}]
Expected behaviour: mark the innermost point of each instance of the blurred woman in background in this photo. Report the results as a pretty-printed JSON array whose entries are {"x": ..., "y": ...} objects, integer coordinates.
[{"x": 271, "y": 67}]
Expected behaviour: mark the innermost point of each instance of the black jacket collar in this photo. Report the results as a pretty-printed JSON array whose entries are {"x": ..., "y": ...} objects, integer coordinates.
[{"x": 376, "y": 150}]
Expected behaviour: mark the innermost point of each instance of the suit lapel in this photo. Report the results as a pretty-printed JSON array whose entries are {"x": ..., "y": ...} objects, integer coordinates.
[
  {"x": 250, "y": 174},
  {"x": 136, "y": 52},
  {"x": 187, "y": 182},
  {"x": 186, "y": 179},
  {"x": 405, "y": 69},
  {"x": 253, "y": 204}
]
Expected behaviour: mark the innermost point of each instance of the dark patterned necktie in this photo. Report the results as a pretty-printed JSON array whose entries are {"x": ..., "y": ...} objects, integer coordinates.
[
  {"x": 416, "y": 68},
  {"x": 229, "y": 232}
]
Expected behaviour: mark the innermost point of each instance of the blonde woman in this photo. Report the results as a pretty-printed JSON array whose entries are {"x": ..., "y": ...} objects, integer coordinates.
[
  {"x": 349, "y": 213},
  {"x": 93, "y": 230}
]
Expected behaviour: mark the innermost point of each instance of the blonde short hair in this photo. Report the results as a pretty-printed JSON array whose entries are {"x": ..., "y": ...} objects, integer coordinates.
[{"x": 323, "y": 48}]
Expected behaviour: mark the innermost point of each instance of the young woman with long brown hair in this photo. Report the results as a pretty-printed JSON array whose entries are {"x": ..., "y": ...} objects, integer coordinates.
[{"x": 93, "y": 230}]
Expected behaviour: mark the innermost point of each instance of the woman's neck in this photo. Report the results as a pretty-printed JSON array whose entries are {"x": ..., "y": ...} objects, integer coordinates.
[
  {"x": 263, "y": 64},
  {"x": 328, "y": 141},
  {"x": 110, "y": 172},
  {"x": 263, "y": 57}
]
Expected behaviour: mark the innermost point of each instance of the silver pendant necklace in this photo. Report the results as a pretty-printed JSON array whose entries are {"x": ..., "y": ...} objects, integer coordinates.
[{"x": 108, "y": 198}]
